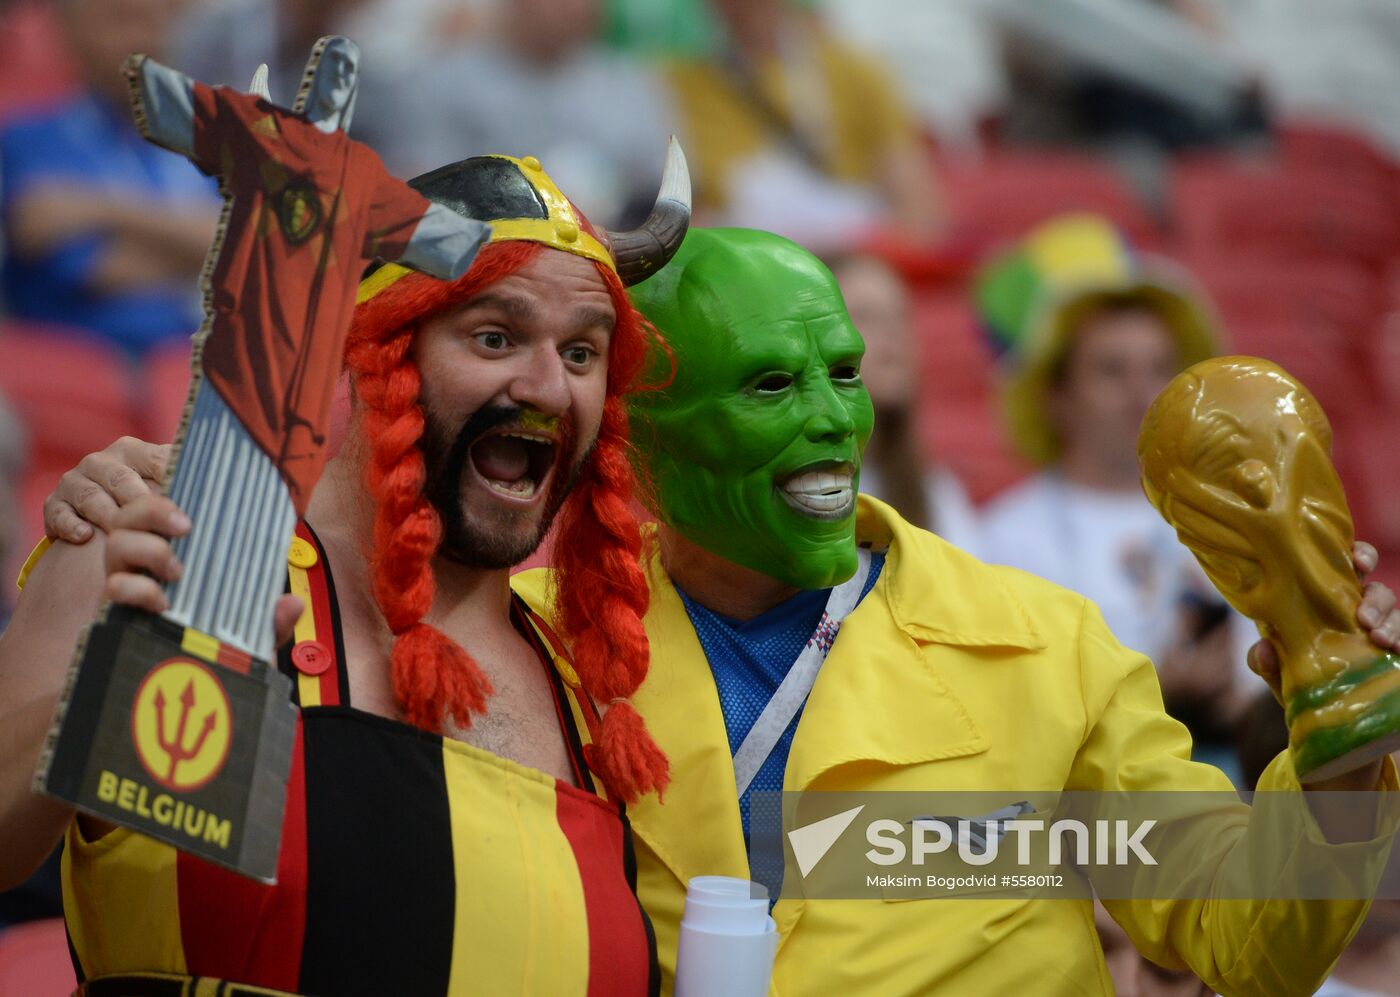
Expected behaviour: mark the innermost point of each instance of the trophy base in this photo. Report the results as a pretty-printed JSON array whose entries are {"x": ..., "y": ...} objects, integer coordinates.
[
  {"x": 1353, "y": 759},
  {"x": 167, "y": 731},
  {"x": 1372, "y": 731}
]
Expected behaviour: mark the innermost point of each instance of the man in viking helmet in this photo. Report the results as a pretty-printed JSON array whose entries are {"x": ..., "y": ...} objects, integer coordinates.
[{"x": 454, "y": 817}]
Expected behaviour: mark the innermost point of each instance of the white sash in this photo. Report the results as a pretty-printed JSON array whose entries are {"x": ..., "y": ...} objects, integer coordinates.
[{"x": 792, "y": 692}]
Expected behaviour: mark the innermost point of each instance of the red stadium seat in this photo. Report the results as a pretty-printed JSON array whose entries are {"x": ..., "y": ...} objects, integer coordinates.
[
  {"x": 1322, "y": 320},
  {"x": 1365, "y": 455},
  {"x": 960, "y": 423},
  {"x": 1383, "y": 359},
  {"x": 972, "y": 442},
  {"x": 954, "y": 357},
  {"x": 999, "y": 198},
  {"x": 1345, "y": 154},
  {"x": 1316, "y": 318},
  {"x": 1270, "y": 208},
  {"x": 73, "y": 395},
  {"x": 72, "y": 391},
  {"x": 165, "y": 388},
  {"x": 34, "y": 960}
]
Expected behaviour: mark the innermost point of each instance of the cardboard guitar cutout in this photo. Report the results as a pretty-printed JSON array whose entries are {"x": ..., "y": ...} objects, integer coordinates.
[{"x": 179, "y": 725}]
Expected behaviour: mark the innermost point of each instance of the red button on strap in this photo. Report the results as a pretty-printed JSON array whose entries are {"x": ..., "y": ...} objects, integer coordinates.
[{"x": 311, "y": 657}]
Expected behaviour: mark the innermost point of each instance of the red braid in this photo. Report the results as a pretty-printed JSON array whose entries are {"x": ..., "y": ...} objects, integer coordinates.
[
  {"x": 601, "y": 592},
  {"x": 433, "y": 676}
]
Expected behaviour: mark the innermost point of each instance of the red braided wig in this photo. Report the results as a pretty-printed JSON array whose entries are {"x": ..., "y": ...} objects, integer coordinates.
[{"x": 601, "y": 594}]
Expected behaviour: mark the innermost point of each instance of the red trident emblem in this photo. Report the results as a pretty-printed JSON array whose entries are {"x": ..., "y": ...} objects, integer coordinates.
[
  {"x": 175, "y": 747},
  {"x": 183, "y": 694}
]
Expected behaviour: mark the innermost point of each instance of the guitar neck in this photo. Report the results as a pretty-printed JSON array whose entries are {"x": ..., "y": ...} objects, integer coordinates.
[{"x": 235, "y": 554}]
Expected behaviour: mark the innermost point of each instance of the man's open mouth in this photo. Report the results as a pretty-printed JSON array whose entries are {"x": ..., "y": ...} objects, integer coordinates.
[
  {"x": 514, "y": 463},
  {"x": 822, "y": 492}
]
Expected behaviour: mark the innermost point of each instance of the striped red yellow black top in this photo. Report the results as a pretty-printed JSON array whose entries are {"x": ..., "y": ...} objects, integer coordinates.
[{"x": 410, "y": 863}]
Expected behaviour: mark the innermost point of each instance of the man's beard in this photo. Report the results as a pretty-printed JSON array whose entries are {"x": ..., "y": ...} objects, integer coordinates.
[{"x": 495, "y": 545}]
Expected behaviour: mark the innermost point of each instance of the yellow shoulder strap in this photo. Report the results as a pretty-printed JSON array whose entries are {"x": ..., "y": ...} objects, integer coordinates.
[{"x": 39, "y": 550}]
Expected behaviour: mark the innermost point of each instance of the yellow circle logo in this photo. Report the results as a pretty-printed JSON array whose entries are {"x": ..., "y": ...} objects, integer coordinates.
[{"x": 181, "y": 724}]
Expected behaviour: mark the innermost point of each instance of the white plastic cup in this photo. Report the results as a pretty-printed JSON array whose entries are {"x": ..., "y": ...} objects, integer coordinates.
[{"x": 727, "y": 939}]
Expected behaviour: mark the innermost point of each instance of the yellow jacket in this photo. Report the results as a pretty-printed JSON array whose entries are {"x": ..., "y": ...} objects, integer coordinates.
[{"x": 953, "y": 675}]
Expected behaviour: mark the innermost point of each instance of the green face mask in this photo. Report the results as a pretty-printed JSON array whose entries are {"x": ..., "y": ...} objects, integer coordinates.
[{"x": 754, "y": 449}]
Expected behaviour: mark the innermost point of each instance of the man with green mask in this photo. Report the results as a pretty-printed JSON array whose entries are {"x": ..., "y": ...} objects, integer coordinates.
[
  {"x": 766, "y": 404},
  {"x": 937, "y": 672},
  {"x": 805, "y": 639},
  {"x": 754, "y": 451}
]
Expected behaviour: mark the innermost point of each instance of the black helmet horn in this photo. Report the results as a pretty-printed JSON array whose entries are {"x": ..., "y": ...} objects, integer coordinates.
[{"x": 640, "y": 252}]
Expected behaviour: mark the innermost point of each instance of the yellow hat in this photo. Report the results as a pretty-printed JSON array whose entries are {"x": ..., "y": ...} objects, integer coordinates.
[{"x": 1033, "y": 300}]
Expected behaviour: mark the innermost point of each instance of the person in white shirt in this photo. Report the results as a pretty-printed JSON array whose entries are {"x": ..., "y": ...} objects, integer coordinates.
[
  {"x": 1095, "y": 332},
  {"x": 541, "y": 82}
]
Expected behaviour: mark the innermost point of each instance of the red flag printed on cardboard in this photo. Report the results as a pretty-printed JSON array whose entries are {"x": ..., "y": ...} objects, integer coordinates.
[{"x": 177, "y": 725}]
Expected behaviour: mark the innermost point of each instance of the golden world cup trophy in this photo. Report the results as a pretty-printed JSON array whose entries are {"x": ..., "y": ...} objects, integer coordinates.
[{"x": 1235, "y": 455}]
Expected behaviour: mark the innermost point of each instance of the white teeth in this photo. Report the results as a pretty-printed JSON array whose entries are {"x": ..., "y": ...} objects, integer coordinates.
[
  {"x": 533, "y": 438},
  {"x": 819, "y": 484},
  {"x": 830, "y": 502},
  {"x": 823, "y": 493}
]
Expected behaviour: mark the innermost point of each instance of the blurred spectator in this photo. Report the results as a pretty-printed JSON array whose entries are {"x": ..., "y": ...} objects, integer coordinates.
[
  {"x": 106, "y": 231},
  {"x": 893, "y": 467},
  {"x": 224, "y": 41},
  {"x": 400, "y": 36},
  {"x": 221, "y": 42},
  {"x": 661, "y": 27},
  {"x": 790, "y": 130},
  {"x": 541, "y": 86},
  {"x": 34, "y": 65},
  {"x": 1107, "y": 71},
  {"x": 1259, "y": 736},
  {"x": 947, "y": 57},
  {"x": 1095, "y": 333},
  {"x": 1337, "y": 61}
]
